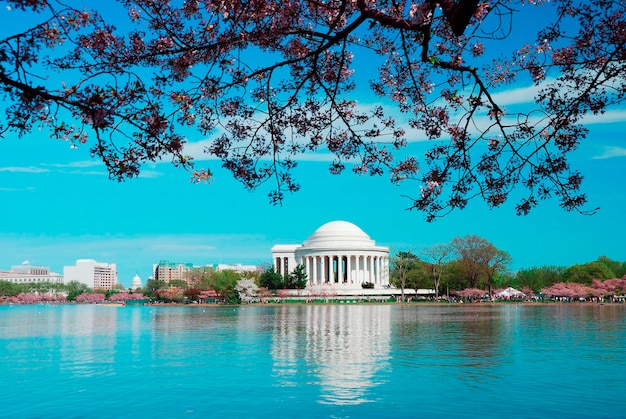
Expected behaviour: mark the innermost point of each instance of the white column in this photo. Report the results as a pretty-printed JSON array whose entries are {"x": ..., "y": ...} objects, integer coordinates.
[
  {"x": 386, "y": 270},
  {"x": 306, "y": 261},
  {"x": 359, "y": 267},
  {"x": 339, "y": 269},
  {"x": 322, "y": 271},
  {"x": 348, "y": 270},
  {"x": 373, "y": 269}
]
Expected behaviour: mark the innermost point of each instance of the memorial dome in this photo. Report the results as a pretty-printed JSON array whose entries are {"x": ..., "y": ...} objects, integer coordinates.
[{"x": 338, "y": 234}]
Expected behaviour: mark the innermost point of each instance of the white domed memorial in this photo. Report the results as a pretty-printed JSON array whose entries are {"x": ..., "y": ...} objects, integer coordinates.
[{"x": 339, "y": 254}]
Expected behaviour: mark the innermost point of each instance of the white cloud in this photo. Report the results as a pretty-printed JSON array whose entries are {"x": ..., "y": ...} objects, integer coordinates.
[
  {"x": 84, "y": 172},
  {"x": 609, "y": 117},
  {"x": 516, "y": 96},
  {"x": 24, "y": 169},
  {"x": 29, "y": 189},
  {"x": 76, "y": 164},
  {"x": 610, "y": 152},
  {"x": 196, "y": 150},
  {"x": 181, "y": 247}
]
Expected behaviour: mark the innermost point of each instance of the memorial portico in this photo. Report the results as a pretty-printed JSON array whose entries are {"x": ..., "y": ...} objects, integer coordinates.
[{"x": 338, "y": 253}]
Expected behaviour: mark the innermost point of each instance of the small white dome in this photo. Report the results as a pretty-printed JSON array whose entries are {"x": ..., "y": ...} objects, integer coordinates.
[
  {"x": 136, "y": 284},
  {"x": 338, "y": 234}
]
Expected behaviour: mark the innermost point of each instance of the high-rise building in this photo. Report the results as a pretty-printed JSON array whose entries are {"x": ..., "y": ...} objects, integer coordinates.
[
  {"x": 96, "y": 275},
  {"x": 171, "y": 271}
]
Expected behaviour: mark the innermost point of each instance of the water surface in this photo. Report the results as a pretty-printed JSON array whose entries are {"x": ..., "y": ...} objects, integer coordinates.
[{"x": 339, "y": 361}]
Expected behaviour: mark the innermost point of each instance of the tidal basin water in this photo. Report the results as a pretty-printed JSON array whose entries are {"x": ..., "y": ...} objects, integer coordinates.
[{"x": 335, "y": 361}]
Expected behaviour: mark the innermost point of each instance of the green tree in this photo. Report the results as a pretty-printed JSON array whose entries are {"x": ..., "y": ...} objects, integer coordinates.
[
  {"x": 75, "y": 288},
  {"x": 200, "y": 276},
  {"x": 401, "y": 264},
  {"x": 271, "y": 279},
  {"x": 297, "y": 279},
  {"x": 109, "y": 293},
  {"x": 40, "y": 287},
  {"x": 496, "y": 264},
  {"x": 474, "y": 255},
  {"x": 587, "y": 272},
  {"x": 454, "y": 276},
  {"x": 537, "y": 278},
  {"x": 438, "y": 255},
  {"x": 505, "y": 279},
  {"x": 179, "y": 283},
  {"x": 225, "y": 283},
  {"x": 9, "y": 289},
  {"x": 618, "y": 268},
  {"x": 153, "y": 286},
  {"x": 419, "y": 276}
]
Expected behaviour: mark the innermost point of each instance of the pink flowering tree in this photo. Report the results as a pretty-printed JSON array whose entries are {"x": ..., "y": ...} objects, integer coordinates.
[
  {"x": 609, "y": 287},
  {"x": 269, "y": 81},
  {"x": 472, "y": 294},
  {"x": 282, "y": 293},
  {"x": 13, "y": 300},
  {"x": 27, "y": 298},
  {"x": 120, "y": 297},
  {"x": 90, "y": 298},
  {"x": 82, "y": 298},
  {"x": 169, "y": 296},
  {"x": 529, "y": 292},
  {"x": 570, "y": 290},
  {"x": 46, "y": 298}
]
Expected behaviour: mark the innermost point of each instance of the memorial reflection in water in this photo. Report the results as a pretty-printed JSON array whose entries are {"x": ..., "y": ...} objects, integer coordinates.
[{"x": 341, "y": 348}]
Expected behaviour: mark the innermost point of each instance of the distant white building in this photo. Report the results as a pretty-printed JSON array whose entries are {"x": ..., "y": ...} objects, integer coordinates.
[
  {"x": 96, "y": 275},
  {"x": 27, "y": 273},
  {"x": 136, "y": 285},
  {"x": 237, "y": 267}
]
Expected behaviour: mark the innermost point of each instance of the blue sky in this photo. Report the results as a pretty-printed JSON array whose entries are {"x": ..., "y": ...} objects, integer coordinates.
[{"x": 57, "y": 205}]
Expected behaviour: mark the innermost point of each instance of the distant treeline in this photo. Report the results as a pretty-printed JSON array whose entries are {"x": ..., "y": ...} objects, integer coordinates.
[{"x": 454, "y": 275}]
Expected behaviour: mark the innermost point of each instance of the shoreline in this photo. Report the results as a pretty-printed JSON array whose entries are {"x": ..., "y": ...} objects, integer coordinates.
[{"x": 344, "y": 303}]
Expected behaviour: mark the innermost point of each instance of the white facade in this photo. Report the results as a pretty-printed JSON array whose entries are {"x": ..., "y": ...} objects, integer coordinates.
[
  {"x": 339, "y": 254},
  {"x": 96, "y": 275},
  {"x": 237, "y": 267},
  {"x": 27, "y": 273},
  {"x": 136, "y": 284}
]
